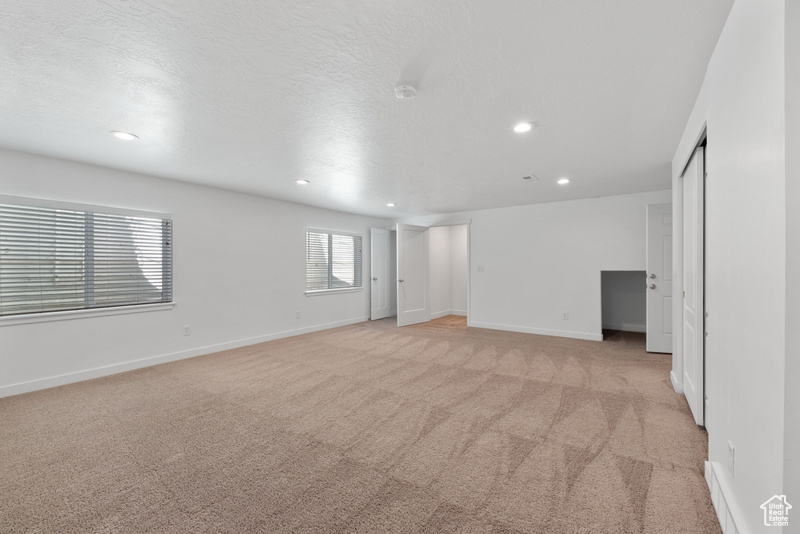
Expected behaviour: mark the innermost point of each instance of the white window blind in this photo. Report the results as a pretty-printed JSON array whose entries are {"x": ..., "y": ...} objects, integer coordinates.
[
  {"x": 333, "y": 260},
  {"x": 58, "y": 259}
]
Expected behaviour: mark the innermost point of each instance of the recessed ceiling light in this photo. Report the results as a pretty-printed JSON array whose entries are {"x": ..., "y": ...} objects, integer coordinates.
[
  {"x": 302, "y": 181},
  {"x": 523, "y": 127},
  {"x": 390, "y": 205},
  {"x": 563, "y": 181},
  {"x": 127, "y": 136}
]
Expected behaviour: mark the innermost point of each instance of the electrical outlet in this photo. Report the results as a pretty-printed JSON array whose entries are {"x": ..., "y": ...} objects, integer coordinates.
[
  {"x": 481, "y": 268},
  {"x": 731, "y": 458},
  {"x": 187, "y": 330},
  {"x": 565, "y": 316},
  {"x": 297, "y": 314}
]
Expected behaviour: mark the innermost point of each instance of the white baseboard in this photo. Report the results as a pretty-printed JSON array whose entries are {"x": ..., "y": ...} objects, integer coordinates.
[
  {"x": 677, "y": 386},
  {"x": 97, "y": 372},
  {"x": 626, "y": 327},
  {"x": 445, "y": 313},
  {"x": 728, "y": 511},
  {"x": 539, "y": 331}
]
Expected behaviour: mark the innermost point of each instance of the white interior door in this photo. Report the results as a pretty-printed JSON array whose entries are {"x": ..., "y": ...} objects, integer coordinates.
[
  {"x": 659, "y": 278},
  {"x": 693, "y": 318},
  {"x": 413, "y": 295},
  {"x": 381, "y": 283}
]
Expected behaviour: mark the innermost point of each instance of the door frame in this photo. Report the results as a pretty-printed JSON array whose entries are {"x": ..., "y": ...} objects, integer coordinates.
[
  {"x": 450, "y": 222},
  {"x": 468, "y": 224}
]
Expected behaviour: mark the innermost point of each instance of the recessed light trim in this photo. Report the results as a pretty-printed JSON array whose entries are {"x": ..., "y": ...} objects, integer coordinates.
[
  {"x": 390, "y": 205},
  {"x": 125, "y": 136},
  {"x": 523, "y": 127},
  {"x": 563, "y": 181},
  {"x": 302, "y": 181}
]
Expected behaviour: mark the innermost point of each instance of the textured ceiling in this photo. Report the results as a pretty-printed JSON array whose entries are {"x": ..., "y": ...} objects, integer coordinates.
[{"x": 251, "y": 95}]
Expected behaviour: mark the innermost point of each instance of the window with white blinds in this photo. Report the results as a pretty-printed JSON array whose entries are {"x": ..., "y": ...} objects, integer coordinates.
[
  {"x": 59, "y": 258},
  {"x": 333, "y": 260}
]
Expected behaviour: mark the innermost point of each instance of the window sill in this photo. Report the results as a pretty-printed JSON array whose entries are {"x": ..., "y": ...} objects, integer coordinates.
[
  {"x": 333, "y": 291},
  {"x": 29, "y": 318}
]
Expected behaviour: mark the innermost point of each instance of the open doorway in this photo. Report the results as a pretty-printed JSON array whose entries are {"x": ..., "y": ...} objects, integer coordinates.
[
  {"x": 383, "y": 273},
  {"x": 623, "y": 295},
  {"x": 434, "y": 279},
  {"x": 448, "y": 270}
]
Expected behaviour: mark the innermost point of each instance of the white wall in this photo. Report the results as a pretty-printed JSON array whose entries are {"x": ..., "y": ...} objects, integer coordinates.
[
  {"x": 239, "y": 276},
  {"x": 742, "y": 104},
  {"x": 624, "y": 298},
  {"x": 543, "y": 260}
]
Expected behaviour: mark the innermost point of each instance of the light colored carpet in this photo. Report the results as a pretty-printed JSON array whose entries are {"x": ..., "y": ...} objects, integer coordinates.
[{"x": 367, "y": 428}]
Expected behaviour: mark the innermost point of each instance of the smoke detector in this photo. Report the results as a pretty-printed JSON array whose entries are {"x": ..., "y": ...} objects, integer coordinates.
[{"x": 405, "y": 91}]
